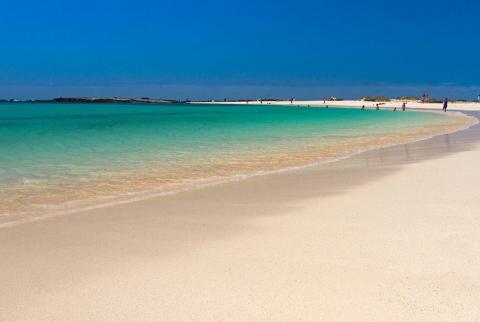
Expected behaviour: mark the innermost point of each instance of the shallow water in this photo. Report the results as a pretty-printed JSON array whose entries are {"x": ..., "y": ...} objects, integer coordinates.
[{"x": 61, "y": 157}]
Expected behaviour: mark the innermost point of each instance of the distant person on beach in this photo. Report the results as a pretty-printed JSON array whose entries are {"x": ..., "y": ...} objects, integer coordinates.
[
  {"x": 425, "y": 97},
  {"x": 324, "y": 99},
  {"x": 378, "y": 107},
  {"x": 291, "y": 100},
  {"x": 445, "y": 104},
  {"x": 363, "y": 108},
  {"x": 404, "y": 105}
]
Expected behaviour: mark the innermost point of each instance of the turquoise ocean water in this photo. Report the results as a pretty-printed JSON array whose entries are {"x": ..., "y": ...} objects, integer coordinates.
[{"x": 59, "y": 157}]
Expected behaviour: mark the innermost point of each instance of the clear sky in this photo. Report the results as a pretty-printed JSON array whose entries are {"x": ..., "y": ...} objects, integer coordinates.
[{"x": 217, "y": 49}]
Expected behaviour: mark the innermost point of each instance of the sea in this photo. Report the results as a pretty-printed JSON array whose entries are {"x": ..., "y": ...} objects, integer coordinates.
[{"x": 58, "y": 158}]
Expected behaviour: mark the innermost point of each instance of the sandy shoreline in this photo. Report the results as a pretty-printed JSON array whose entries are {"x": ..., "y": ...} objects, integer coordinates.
[
  {"x": 67, "y": 203},
  {"x": 456, "y": 106},
  {"x": 379, "y": 236}
]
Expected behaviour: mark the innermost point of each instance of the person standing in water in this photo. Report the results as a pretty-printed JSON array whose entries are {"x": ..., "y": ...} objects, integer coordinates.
[
  {"x": 403, "y": 106},
  {"x": 445, "y": 104}
]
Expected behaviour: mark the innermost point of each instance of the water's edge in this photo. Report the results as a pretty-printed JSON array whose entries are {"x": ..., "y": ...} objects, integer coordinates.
[{"x": 237, "y": 177}]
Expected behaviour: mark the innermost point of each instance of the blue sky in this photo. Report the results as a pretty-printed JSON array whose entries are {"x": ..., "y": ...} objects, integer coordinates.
[{"x": 238, "y": 48}]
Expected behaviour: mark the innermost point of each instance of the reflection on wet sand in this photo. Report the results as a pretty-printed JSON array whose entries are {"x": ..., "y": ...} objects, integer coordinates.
[{"x": 423, "y": 150}]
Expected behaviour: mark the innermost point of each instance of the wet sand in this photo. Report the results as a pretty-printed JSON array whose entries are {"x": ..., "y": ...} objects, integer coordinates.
[{"x": 390, "y": 234}]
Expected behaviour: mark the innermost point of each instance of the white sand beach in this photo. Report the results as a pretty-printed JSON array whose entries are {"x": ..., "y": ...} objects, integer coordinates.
[
  {"x": 387, "y": 235},
  {"x": 457, "y": 106}
]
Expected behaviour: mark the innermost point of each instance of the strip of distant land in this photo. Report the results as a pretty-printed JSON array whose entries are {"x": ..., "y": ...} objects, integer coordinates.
[{"x": 96, "y": 100}]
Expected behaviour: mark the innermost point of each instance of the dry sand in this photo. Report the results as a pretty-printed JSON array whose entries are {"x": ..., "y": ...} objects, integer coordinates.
[{"x": 388, "y": 235}]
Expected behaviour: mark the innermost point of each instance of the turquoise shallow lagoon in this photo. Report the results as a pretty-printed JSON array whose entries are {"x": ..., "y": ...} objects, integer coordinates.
[{"x": 60, "y": 157}]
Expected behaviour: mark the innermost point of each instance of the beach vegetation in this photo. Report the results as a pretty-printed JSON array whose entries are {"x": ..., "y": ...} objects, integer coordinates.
[
  {"x": 272, "y": 99},
  {"x": 408, "y": 98},
  {"x": 376, "y": 99}
]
